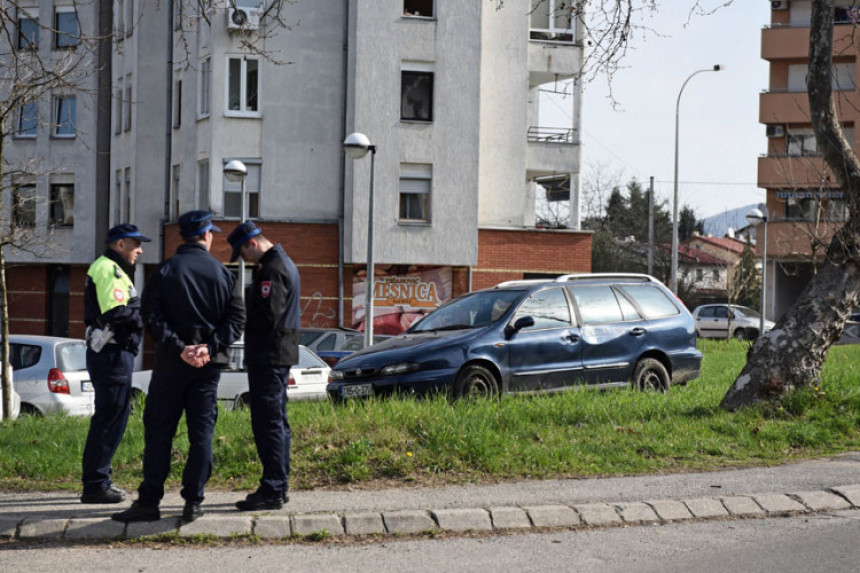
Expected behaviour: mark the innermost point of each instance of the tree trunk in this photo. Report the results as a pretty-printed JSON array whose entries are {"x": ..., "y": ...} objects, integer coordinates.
[{"x": 791, "y": 355}]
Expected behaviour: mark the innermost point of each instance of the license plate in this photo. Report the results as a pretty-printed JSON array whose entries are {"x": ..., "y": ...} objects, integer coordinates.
[
  {"x": 356, "y": 391},
  {"x": 86, "y": 386}
]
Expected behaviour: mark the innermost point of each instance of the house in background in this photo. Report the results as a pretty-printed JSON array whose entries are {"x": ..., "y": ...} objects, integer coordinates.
[{"x": 447, "y": 92}]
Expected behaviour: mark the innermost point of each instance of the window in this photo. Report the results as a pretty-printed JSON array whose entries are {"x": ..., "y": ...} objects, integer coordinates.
[
  {"x": 416, "y": 95},
  {"x": 64, "y": 116},
  {"x": 129, "y": 17},
  {"x": 844, "y": 77},
  {"x": 846, "y": 15},
  {"x": 127, "y": 196},
  {"x": 596, "y": 304},
  {"x": 415, "y": 183},
  {"x": 423, "y": 8},
  {"x": 28, "y": 29},
  {"x": 127, "y": 103},
  {"x": 205, "y": 80},
  {"x": 837, "y": 210},
  {"x": 117, "y": 198},
  {"x": 24, "y": 355},
  {"x": 716, "y": 276},
  {"x": 24, "y": 207},
  {"x": 173, "y": 214},
  {"x": 802, "y": 209},
  {"x": 118, "y": 114},
  {"x": 66, "y": 28},
  {"x": 203, "y": 184},
  {"x": 119, "y": 14},
  {"x": 801, "y": 143},
  {"x": 177, "y": 103},
  {"x": 233, "y": 192},
  {"x": 651, "y": 300},
  {"x": 700, "y": 275},
  {"x": 27, "y": 120},
  {"x": 243, "y": 86},
  {"x": 548, "y": 308},
  {"x": 551, "y": 20},
  {"x": 62, "y": 205}
]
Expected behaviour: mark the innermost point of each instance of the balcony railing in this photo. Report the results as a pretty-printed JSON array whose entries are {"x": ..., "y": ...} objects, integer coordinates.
[{"x": 550, "y": 134}]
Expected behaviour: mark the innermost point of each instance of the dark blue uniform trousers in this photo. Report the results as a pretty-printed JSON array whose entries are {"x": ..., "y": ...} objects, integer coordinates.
[
  {"x": 267, "y": 390},
  {"x": 172, "y": 390},
  {"x": 110, "y": 372}
]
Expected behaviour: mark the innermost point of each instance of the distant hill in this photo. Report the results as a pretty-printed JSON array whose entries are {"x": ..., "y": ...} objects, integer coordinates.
[{"x": 717, "y": 225}]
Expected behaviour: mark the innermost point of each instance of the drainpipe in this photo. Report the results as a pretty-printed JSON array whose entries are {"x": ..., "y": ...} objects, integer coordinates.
[
  {"x": 342, "y": 194},
  {"x": 168, "y": 134}
]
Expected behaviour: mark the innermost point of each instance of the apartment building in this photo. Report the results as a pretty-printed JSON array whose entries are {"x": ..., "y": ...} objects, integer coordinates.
[
  {"x": 446, "y": 91},
  {"x": 804, "y": 203}
]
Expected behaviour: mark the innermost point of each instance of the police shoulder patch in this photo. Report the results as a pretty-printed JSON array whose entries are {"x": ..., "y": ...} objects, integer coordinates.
[{"x": 265, "y": 288}]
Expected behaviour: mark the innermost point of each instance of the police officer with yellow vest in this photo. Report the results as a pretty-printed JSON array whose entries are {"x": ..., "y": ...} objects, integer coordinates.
[{"x": 114, "y": 330}]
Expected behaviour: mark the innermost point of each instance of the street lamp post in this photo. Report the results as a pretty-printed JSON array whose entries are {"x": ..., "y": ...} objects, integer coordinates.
[
  {"x": 716, "y": 68},
  {"x": 356, "y": 145},
  {"x": 756, "y": 217},
  {"x": 236, "y": 171}
]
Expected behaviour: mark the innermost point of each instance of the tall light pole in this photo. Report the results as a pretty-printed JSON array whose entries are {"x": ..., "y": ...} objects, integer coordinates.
[
  {"x": 756, "y": 217},
  {"x": 356, "y": 145},
  {"x": 236, "y": 171},
  {"x": 716, "y": 68}
]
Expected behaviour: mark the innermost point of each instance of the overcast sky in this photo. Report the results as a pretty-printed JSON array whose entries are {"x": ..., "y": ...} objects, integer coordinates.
[{"x": 720, "y": 137}]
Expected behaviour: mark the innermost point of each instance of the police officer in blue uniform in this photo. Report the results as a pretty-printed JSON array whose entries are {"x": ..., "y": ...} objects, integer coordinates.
[
  {"x": 192, "y": 309},
  {"x": 114, "y": 329},
  {"x": 271, "y": 347}
]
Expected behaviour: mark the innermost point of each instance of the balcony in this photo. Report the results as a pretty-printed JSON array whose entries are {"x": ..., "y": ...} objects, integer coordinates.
[
  {"x": 792, "y": 43},
  {"x": 551, "y": 60},
  {"x": 551, "y": 150},
  {"x": 793, "y": 107},
  {"x": 793, "y": 240},
  {"x": 783, "y": 171}
]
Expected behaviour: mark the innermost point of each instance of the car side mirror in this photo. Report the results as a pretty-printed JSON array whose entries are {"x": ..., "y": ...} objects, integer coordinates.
[{"x": 519, "y": 324}]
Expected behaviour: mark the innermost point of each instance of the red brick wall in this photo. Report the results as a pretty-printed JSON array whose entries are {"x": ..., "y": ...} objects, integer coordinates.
[
  {"x": 509, "y": 254},
  {"x": 27, "y": 298}
]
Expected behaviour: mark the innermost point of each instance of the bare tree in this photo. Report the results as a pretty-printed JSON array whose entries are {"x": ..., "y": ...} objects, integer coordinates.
[{"x": 791, "y": 355}]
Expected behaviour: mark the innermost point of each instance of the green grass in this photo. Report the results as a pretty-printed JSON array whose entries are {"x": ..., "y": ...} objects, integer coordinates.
[{"x": 434, "y": 441}]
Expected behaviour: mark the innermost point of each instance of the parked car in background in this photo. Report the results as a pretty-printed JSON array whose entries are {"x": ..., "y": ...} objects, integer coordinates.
[
  {"x": 723, "y": 320},
  {"x": 50, "y": 374},
  {"x": 307, "y": 381},
  {"x": 598, "y": 330},
  {"x": 851, "y": 332},
  {"x": 352, "y": 344},
  {"x": 328, "y": 339}
]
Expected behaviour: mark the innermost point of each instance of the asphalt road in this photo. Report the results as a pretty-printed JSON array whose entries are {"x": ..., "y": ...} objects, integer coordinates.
[{"x": 820, "y": 542}]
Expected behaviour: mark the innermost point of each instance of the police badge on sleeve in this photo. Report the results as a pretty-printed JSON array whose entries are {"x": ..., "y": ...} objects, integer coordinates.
[{"x": 265, "y": 289}]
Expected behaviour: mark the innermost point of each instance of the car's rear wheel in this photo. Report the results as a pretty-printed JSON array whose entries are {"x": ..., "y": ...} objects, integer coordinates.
[
  {"x": 476, "y": 382},
  {"x": 650, "y": 376},
  {"x": 740, "y": 334},
  {"x": 241, "y": 402},
  {"x": 29, "y": 410}
]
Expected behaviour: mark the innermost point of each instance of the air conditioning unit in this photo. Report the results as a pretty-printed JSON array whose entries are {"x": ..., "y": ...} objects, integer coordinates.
[
  {"x": 779, "y": 4},
  {"x": 776, "y": 130},
  {"x": 243, "y": 19}
]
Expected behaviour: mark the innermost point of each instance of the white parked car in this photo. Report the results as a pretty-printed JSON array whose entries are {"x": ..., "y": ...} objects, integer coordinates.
[
  {"x": 50, "y": 374},
  {"x": 308, "y": 379},
  {"x": 722, "y": 320}
]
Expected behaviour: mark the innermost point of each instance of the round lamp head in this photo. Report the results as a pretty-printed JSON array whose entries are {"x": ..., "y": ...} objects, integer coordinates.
[
  {"x": 356, "y": 145},
  {"x": 755, "y": 217},
  {"x": 235, "y": 171}
]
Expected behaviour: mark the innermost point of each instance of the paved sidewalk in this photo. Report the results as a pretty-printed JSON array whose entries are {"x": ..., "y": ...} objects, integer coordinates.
[{"x": 830, "y": 484}]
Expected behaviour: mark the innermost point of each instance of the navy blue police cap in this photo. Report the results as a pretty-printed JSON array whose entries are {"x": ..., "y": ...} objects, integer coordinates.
[
  {"x": 240, "y": 236},
  {"x": 126, "y": 231},
  {"x": 195, "y": 223}
]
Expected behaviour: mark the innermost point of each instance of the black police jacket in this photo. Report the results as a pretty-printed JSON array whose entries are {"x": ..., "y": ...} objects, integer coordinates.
[
  {"x": 124, "y": 320},
  {"x": 274, "y": 313},
  {"x": 191, "y": 298}
]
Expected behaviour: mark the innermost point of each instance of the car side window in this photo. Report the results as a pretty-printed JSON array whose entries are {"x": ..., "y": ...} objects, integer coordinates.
[
  {"x": 721, "y": 312},
  {"x": 24, "y": 355},
  {"x": 548, "y": 308},
  {"x": 596, "y": 304},
  {"x": 707, "y": 312},
  {"x": 354, "y": 343},
  {"x": 326, "y": 343},
  {"x": 653, "y": 301}
]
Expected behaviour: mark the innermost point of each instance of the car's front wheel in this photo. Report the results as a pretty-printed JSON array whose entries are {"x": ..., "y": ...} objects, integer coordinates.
[
  {"x": 476, "y": 382},
  {"x": 650, "y": 375}
]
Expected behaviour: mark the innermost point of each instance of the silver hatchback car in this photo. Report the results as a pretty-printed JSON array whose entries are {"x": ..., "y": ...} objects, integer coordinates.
[{"x": 50, "y": 374}]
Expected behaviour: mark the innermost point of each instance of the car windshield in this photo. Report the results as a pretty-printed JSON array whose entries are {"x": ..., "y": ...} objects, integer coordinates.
[
  {"x": 746, "y": 311},
  {"x": 469, "y": 311},
  {"x": 72, "y": 356}
]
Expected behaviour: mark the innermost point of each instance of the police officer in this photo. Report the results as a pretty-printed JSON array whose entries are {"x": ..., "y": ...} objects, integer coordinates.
[
  {"x": 271, "y": 347},
  {"x": 192, "y": 310},
  {"x": 114, "y": 329}
]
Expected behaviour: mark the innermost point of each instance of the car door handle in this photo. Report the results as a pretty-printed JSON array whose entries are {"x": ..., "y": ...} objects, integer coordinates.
[
  {"x": 637, "y": 331},
  {"x": 570, "y": 337}
]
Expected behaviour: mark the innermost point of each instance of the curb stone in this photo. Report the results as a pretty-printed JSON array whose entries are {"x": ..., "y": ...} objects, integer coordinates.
[
  {"x": 553, "y": 516},
  {"x": 509, "y": 518},
  {"x": 307, "y": 524},
  {"x": 742, "y": 506},
  {"x": 463, "y": 519},
  {"x": 706, "y": 508},
  {"x": 670, "y": 510},
  {"x": 272, "y": 527},
  {"x": 779, "y": 503},
  {"x": 821, "y": 500},
  {"x": 597, "y": 514},
  {"x": 637, "y": 512},
  {"x": 849, "y": 492}
]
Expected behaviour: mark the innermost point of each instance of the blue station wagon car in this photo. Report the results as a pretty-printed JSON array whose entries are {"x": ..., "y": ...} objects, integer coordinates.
[{"x": 537, "y": 335}]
